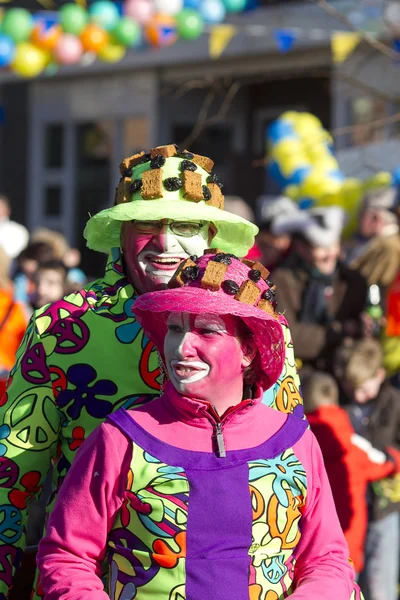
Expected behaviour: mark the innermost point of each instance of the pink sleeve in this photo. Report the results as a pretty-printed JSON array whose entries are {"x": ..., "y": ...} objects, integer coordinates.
[
  {"x": 322, "y": 569},
  {"x": 71, "y": 554}
]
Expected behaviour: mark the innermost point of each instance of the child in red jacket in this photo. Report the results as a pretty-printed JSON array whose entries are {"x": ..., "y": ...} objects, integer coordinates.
[{"x": 351, "y": 461}]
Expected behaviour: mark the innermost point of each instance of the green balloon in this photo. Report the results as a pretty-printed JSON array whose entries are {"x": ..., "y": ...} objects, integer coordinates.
[
  {"x": 234, "y": 5},
  {"x": 190, "y": 24},
  {"x": 73, "y": 18},
  {"x": 127, "y": 32},
  {"x": 17, "y": 24}
]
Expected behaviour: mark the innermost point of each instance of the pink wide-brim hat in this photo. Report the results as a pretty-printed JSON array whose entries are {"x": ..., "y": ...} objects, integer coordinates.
[{"x": 153, "y": 309}]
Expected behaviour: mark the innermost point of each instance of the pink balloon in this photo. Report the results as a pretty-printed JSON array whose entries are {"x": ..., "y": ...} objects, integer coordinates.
[
  {"x": 139, "y": 10},
  {"x": 69, "y": 49}
]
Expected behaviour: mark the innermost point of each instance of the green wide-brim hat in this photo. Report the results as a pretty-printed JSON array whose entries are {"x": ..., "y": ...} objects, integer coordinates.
[{"x": 167, "y": 185}]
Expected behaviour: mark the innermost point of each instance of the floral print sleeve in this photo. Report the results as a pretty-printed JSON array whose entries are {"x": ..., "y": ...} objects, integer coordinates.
[{"x": 29, "y": 428}]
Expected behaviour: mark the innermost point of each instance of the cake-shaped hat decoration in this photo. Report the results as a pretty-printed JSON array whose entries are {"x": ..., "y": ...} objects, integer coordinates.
[{"x": 167, "y": 184}]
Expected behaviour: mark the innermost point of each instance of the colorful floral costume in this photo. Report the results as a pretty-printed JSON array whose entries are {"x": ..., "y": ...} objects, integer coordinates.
[
  {"x": 177, "y": 523},
  {"x": 82, "y": 358}
]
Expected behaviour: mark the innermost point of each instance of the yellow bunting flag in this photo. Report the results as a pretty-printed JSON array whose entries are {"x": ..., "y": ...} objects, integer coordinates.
[
  {"x": 343, "y": 43},
  {"x": 220, "y": 37}
]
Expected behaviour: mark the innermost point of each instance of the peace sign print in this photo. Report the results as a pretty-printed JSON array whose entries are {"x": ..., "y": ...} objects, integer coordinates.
[
  {"x": 8, "y": 472},
  {"x": 10, "y": 524},
  {"x": 72, "y": 335},
  {"x": 33, "y": 365},
  {"x": 33, "y": 420}
]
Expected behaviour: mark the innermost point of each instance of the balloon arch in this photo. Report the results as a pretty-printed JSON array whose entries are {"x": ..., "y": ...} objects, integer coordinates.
[{"x": 30, "y": 44}]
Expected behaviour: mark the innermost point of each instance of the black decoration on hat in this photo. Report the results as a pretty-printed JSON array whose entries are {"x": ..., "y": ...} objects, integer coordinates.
[
  {"x": 157, "y": 162},
  {"x": 213, "y": 178},
  {"x": 191, "y": 273},
  {"x": 172, "y": 184},
  {"x": 187, "y": 155},
  {"x": 128, "y": 172},
  {"x": 206, "y": 193},
  {"x": 188, "y": 165},
  {"x": 255, "y": 275},
  {"x": 268, "y": 295},
  {"x": 230, "y": 287},
  {"x": 225, "y": 259},
  {"x": 135, "y": 186}
]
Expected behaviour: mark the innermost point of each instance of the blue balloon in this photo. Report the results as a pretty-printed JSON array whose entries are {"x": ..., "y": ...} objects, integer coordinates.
[
  {"x": 279, "y": 130},
  {"x": 396, "y": 177},
  {"x": 105, "y": 13},
  {"x": 192, "y": 4},
  {"x": 213, "y": 11},
  {"x": 7, "y": 49}
]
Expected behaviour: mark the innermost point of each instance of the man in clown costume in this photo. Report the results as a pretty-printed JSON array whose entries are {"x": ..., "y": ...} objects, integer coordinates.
[{"x": 86, "y": 356}]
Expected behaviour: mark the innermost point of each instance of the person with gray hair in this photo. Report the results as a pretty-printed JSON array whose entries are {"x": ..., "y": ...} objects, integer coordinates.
[
  {"x": 274, "y": 245},
  {"x": 322, "y": 299}
]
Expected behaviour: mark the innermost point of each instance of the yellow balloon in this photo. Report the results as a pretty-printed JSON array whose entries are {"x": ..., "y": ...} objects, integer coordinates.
[
  {"x": 112, "y": 53},
  {"x": 292, "y": 191},
  {"x": 318, "y": 186},
  {"x": 378, "y": 180},
  {"x": 29, "y": 61}
]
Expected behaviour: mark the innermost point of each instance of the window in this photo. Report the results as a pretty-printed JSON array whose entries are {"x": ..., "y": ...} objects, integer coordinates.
[
  {"x": 54, "y": 146},
  {"x": 52, "y": 201}
]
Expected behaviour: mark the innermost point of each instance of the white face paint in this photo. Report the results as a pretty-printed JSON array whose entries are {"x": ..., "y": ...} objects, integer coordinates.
[
  {"x": 204, "y": 358},
  {"x": 160, "y": 266},
  {"x": 182, "y": 369},
  {"x": 152, "y": 258}
]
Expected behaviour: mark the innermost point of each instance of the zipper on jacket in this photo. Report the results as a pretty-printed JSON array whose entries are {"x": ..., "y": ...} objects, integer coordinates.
[{"x": 219, "y": 436}]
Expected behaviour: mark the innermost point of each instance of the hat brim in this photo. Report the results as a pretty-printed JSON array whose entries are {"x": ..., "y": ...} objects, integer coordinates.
[
  {"x": 235, "y": 235},
  {"x": 152, "y": 311}
]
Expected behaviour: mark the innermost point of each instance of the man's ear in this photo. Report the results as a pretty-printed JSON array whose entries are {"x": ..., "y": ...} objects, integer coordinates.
[
  {"x": 212, "y": 232},
  {"x": 249, "y": 350}
]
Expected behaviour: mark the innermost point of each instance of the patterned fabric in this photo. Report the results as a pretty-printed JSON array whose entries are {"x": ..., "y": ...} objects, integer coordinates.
[
  {"x": 184, "y": 528},
  {"x": 81, "y": 359}
]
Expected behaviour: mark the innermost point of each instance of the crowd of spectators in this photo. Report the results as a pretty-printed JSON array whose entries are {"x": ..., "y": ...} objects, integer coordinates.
[{"x": 341, "y": 298}]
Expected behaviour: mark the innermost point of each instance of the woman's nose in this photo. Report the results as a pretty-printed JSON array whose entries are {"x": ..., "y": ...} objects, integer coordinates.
[{"x": 187, "y": 346}]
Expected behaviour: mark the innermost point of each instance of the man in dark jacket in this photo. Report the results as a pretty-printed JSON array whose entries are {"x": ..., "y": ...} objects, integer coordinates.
[{"x": 322, "y": 299}]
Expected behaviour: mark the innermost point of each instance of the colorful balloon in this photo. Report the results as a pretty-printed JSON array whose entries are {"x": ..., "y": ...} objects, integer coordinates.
[
  {"x": 94, "y": 38},
  {"x": 161, "y": 31},
  {"x": 46, "y": 36},
  {"x": 212, "y": 11},
  {"x": 168, "y": 7},
  {"x": 112, "y": 53},
  {"x": 235, "y": 5},
  {"x": 141, "y": 11},
  {"x": 190, "y": 24},
  {"x": 69, "y": 50},
  {"x": 127, "y": 32},
  {"x": 7, "y": 50},
  {"x": 104, "y": 13},
  {"x": 17, "y": 24},
  {"x": 193, "y": 4},
  {"x": 29, "y": 61},
  {"x": 73, "y": 18}
]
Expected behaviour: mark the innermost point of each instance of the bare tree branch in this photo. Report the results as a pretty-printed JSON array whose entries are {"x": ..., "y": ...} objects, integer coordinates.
[
  {"x": 377, "y": 124},
  {"x": 366, "y": 37},
  {"x": 204, "y": 120}
]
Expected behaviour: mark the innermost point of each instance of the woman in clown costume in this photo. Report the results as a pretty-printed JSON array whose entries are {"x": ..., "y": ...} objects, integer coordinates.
[{"x": 204, "y": 493}]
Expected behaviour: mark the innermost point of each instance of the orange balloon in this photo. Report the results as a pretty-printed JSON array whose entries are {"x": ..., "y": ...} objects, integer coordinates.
[
  {"x": 93, "y": 38},
  {"x": 47, "y": 39},
  {"x": 161, "y": 30}
]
